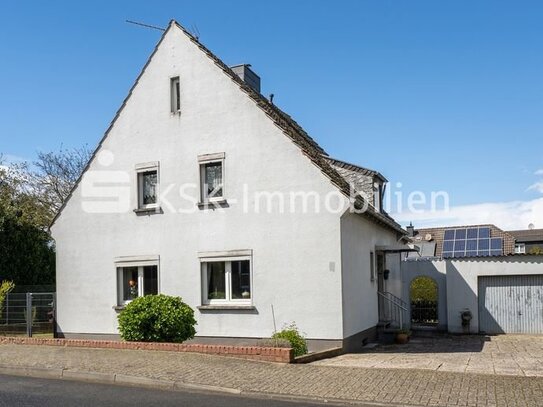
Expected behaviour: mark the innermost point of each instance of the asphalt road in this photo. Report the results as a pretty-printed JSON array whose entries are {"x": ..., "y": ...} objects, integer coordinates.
[{"x": 32, "y": 392}]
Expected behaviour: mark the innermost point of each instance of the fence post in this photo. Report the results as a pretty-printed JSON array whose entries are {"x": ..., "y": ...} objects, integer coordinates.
[
  {"x": 29, "y": 314},
  {"x": 7, "y": 309}
]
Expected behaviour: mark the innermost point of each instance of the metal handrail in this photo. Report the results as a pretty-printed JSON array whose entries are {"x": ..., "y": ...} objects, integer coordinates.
[
  {"x": 400, "y": 302},
  {"x": 391, "y": 300},
  {"x": 398, "y": 307}
]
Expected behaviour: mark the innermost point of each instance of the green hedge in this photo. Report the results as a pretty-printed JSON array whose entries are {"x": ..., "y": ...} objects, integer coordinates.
[{"x": 157, "y": 318}]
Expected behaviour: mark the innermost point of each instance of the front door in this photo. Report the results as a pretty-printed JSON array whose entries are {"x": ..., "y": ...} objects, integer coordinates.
[
  {"x": 381, "y": 286},
  {"x": 380, "y": 272}
]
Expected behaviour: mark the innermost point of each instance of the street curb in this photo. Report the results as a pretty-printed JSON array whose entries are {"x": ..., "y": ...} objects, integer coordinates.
[
  {"x": 163, "y": 384},
  {"x": 111, "y": 378}
]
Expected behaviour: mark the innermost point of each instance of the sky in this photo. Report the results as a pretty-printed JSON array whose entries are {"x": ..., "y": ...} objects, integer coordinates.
[{"x": 436, "y": 95}]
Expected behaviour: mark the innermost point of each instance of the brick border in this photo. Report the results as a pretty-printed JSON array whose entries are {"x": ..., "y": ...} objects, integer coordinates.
[{"x": 281, "y": 355}]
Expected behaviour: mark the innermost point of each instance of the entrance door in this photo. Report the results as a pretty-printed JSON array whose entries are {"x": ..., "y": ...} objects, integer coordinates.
[{"x": 380, "y": 272}]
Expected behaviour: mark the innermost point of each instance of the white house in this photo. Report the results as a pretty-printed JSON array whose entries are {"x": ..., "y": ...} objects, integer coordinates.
[{"x": 202, "y": 188}]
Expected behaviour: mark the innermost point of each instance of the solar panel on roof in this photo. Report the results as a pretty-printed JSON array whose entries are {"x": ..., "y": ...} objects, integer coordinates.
[
  {"x": 448, "y": 245},
  {"x": 496, "y": 243},
  {"x": 460, "y": 234},
  {"x": 449, "y": 234},
  {"x": 471, "y": 244},
  {"x": 462, "y": 242}
]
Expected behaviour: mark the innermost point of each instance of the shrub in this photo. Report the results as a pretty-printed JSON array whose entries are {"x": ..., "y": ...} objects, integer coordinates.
[
  {"x": 296, "y": 339},
  {"x": 273, "y": 343},
  {"x": 157, "y": 318}
]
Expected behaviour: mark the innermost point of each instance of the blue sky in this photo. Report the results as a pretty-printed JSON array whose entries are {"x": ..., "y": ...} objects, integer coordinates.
[{"x": 437, "y": 95}]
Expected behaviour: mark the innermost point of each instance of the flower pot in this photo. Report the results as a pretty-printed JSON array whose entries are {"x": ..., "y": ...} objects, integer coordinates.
[{"x": 402, "y": 338}]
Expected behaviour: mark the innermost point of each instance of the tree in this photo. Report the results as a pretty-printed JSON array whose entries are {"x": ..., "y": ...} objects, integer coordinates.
[
  {"x": 535, "y": 250},
  {"x": 30, "y": 196},
  {"x": 5, "y": 288},
  {"x": 55, "y": 174},
  {"x": 423, "y": 289}
]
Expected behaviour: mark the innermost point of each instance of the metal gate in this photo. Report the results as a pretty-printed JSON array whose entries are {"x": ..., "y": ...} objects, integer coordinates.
[{"x": 511, "y": 304}]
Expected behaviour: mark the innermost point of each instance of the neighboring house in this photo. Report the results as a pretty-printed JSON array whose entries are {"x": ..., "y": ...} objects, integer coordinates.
[
  {"x": 174, "y": 201},
  {"x": 527, "y": 240},
  {"x": 475, "y": 269},
  {"x": 460, "y": 241}
]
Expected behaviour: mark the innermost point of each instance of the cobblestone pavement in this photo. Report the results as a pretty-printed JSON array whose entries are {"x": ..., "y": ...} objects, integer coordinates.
[
  {"x": 515, "y": 355},
  {"x": 407, "y": 386}
]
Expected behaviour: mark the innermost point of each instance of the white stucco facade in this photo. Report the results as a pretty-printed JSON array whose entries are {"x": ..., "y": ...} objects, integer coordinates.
[{"x": 312, "y": 267}]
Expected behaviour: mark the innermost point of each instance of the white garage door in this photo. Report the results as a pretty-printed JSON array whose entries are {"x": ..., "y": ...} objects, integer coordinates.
[{"x": 511, "y": 304}]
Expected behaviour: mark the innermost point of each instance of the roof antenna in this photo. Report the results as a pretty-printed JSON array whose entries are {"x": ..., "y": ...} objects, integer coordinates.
[
  {"x": 145, "y": 25},
  {"x": 195, "y": 31},
  {"x": 271, "y": 98}
]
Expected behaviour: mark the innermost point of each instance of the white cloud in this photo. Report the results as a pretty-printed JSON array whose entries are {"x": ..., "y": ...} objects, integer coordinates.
[
  {"x": 538, "y": 186},
  {"x": 506, "y": 215},
  {"x": 539, "y": 172}
]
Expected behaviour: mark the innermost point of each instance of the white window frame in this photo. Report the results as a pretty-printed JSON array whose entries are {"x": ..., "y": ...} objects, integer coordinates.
[
  {"x": 227, "y": 258},
  {"x": 210, "y": 159},
  {"x": 377, "y": 196},
  {"x": 520, "y": 248},
  {"x": 140, "y": 170},
  {"x": 135, "y": 261},
  {"x": 175, "y": 95}
]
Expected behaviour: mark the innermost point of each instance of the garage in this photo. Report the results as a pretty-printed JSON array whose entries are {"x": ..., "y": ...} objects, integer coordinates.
[{"x": 511, "y": 304}]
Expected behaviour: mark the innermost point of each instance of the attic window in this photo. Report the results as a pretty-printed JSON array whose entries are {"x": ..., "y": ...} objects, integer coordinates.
[{"x": 175, "y": 95}]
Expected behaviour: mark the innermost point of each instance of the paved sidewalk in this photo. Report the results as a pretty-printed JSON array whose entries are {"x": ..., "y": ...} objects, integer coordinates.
[
  {"x": 516, "y": 355},
  {"x": 413, "y": 387}
]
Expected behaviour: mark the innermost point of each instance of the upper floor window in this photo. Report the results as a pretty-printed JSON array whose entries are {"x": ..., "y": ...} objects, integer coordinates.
[
  {"x": 520, "y": 248},
  {"x": 377, "y": 196},
  {"x": 147, "y": 178},
  {"x": 211, "y": 177},
  {"x": 175, "y": 95}
]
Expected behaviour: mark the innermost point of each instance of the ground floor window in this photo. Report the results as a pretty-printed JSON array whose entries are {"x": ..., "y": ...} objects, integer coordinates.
[
  {"x": 226, "y": 281},
  {"x": 136, "y": 281}
]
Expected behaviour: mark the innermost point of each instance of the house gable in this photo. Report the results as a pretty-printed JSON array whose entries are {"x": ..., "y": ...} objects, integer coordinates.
[{"x": 288, "y": 126}]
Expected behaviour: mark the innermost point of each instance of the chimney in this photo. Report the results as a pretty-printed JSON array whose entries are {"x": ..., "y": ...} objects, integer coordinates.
[
  {"x": 247, "y": 75},
  {"x": 410, "y": 230}
]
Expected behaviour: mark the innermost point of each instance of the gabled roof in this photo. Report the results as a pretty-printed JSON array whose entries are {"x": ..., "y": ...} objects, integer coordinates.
[
  {"x": 527, "y": 235},
  {"x": 356, "y": 168},
  {"x": 282, "y": 120}
]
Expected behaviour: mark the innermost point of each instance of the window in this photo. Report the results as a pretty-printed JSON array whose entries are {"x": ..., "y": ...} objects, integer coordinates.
[
  {"x": 136, "y": 281},
  {"x": 175, "y": 95},
  {"x": 211, "y": 177},
  {"x": 520, "y": 248},
  {"x": 372, "y": 266},
  {"x": 377, "y": 196},
  {"x": 147, "y": 175},
  {"x": 226, "y": 280}
]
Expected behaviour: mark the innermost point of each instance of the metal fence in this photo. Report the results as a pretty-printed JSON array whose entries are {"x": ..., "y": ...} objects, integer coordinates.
[
  {"x": 424, "y": 312},
  {"x": 28, "y": 314}
]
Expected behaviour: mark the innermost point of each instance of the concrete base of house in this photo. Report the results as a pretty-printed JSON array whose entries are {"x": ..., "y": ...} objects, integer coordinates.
[
  {"x": 356, "y": 342},
  {"x": 353, "y": 343}
]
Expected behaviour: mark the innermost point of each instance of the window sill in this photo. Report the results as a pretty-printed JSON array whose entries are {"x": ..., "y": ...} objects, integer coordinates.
[
  {"x": 148, "y": 211},
  {"x": 226, "y": 308},
  {"x": 222, "y": 203},
  {"x": 118, "y": 308}
]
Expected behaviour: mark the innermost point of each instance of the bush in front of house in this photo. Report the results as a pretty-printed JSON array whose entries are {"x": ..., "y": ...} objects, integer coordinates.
[
  {"x": 273, "y": 343},
  {"x": 296, "y": 339},
  {"x": 157, "y": 318}
]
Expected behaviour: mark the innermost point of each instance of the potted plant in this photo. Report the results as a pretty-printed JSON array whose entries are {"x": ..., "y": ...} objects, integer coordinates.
[{"x": 402, "y": 336}]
